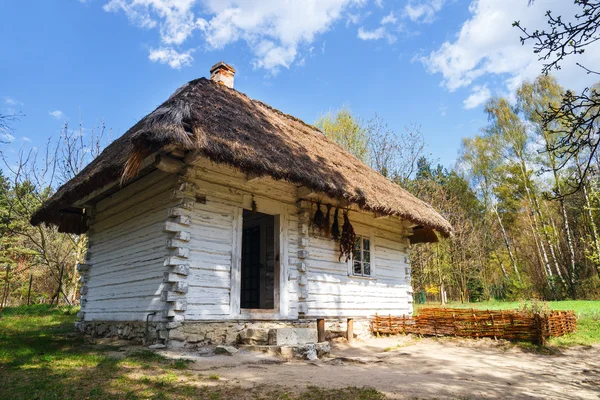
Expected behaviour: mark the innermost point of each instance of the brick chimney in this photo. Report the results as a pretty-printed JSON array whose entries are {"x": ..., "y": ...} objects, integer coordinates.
[{"x": 222, "y": 73}]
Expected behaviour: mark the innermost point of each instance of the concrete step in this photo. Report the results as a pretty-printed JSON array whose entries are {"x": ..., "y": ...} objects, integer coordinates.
[{"x": 278, "y": 336}]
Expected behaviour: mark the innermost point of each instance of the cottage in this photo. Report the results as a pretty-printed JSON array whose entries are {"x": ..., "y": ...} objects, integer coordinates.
[{"x": 216, "y": 213}]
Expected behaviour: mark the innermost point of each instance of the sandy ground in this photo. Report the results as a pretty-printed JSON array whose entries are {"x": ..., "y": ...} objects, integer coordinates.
[{"x": 423, "y": 369}]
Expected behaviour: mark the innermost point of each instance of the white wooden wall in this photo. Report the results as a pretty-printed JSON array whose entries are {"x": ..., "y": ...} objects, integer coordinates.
[
  {"x": 215, "y": 231},
  {"x": 334, "y": 292},
  {"x": 129, "y": 255},
  {"x": 127, "y": 251},
  {"x": 329, "y": 289}
]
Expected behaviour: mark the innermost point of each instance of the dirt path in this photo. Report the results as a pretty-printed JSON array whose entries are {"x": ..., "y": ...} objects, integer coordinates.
[{"x": 425, "y": 369}]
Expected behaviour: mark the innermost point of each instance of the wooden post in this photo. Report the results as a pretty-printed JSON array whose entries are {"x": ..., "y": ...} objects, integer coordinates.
[
  {"x": 350, "y": 330},
  {"x": 320, "y": 330}
]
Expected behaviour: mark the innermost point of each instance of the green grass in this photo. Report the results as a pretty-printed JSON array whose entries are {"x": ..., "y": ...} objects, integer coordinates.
[
  {"x": 587, "y": 311},
  {"x": 41, "y": 357}
]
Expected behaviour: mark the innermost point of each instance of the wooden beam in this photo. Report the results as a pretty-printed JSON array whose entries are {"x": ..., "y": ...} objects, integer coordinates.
[
  {"x": 168, "y": 164},
  {"x": 381, "y": 216},
  {"x": 252, "y": 178},
  {"x": 350, "y": 330},
  {"x": 192, "y": 157},
  {"x": 320, "y": 330},
  {"x": 306, "y": 193},
  {"x": 86, "y": 201}
]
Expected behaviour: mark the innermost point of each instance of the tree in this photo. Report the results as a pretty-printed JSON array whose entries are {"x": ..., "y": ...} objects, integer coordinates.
[
  {"x": 578, "y": 113},
  {"x": 534, "y": 98},
  {"x": 346, "y": 130},
  {"x": 395, "y": 155},
  {"x": 32, "y": 178}
]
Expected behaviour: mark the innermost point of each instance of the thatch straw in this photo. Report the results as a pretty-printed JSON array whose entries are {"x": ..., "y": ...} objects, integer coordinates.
[{"x": 226, "y": 126}]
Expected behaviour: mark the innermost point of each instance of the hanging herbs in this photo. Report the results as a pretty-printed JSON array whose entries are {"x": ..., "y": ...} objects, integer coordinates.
[
  {"x": 335, "y": 227},
  {"x": 347, "y": 239},
  {"x": 327, "y": 219},
  {"x": 319, "y": 218}
]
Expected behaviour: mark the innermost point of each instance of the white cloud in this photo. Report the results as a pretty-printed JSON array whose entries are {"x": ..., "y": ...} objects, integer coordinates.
[
  {"x": 170, "y": 56},
  {"x": 443, "y": 110},
  {"x": 389, "y": 19},
  {"x": 352, "y": 19},
  {"x": 423, "y": 11},
  {"x": 7, "y": 137},
  {"x": 376, "y": 34},
  {"x": 379, "y": 3},
  {"x": 175, "y": 18},
  {"x": 25, "y": 139},
  {"x": 479, "y": 95},
  {"x": 274, "y": 30},
  {"x": 487, "y": 47},
  {"x": 57, "y": 114},
  {"x": 12, "y": 102}
]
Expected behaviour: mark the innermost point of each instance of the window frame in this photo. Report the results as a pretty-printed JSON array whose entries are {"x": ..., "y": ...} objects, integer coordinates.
[{"x": 351, "y": 273}]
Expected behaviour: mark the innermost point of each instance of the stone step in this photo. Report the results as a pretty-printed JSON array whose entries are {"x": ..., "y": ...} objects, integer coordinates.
[
  {"x": 278, "y": 336},
  {"x": 310, "y": 351}
]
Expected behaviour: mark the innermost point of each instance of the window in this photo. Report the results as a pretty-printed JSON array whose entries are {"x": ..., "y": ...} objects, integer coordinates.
[{"x": 361, "y": 257}]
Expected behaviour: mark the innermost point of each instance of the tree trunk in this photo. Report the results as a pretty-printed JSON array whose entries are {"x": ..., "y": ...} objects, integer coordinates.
[
  {"x": 80, "y": 250},
  {"x": 588, "y": 206},
  {"x": 535, "y": 211},
  {"x": 60, "y": 279},
  {"x": 571, "y": 246},
  {"x": 507, "y": 244},
  {"x": 29, "y": 290},
  {"x": 442, "y": 296}
]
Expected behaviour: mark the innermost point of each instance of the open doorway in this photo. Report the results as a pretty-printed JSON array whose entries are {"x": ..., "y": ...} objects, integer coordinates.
[{"x": 258, "y": 261}]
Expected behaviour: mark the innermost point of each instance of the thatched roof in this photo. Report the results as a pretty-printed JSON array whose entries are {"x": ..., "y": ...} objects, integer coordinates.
[{"x": 226, "y": 126}]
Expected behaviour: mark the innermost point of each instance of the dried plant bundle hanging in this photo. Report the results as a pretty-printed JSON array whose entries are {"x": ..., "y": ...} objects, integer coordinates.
[
  {"x": 347, "y": 239},
  {"x": 335, "y": 227},
  {"x": 319, "y": 218},
  {"x": 327, "y": 220}
]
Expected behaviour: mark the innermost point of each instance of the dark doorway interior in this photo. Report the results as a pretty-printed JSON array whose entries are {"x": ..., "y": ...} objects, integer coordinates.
[{"x": 258, "y": 261}]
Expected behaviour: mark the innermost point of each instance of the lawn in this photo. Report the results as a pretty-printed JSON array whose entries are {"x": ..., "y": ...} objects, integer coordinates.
[
  {"x": 41, "y": 357},
  {"x": 588, "y": 317}
]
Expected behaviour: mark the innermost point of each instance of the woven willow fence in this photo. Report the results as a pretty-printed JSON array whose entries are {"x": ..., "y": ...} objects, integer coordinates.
[{"x": 498, "y": 324}]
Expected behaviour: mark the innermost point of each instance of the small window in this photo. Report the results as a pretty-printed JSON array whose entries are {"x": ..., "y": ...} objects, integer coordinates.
[{"x": 361, "y": 257}]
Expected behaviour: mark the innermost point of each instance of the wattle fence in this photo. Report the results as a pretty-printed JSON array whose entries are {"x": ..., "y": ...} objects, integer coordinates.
[{"x": 464, "y": 322}]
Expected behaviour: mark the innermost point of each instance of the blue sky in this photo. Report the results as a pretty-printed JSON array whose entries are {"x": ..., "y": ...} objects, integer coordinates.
[{"x": 428, "y": 62}]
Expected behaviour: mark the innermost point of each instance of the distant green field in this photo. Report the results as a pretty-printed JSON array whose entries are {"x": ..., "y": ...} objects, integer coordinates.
[{"x": 588, "y": 317}]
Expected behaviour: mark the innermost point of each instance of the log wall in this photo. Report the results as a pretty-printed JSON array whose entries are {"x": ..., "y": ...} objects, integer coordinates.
[
  {"x": 171, "y": 244},
  {"x": 314, "y": 282},
  {"x": 125, "y": 261}
]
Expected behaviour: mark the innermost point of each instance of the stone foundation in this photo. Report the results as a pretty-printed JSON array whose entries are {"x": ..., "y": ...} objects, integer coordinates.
[
  {"x": 193, "y": 334},
  {"x": 134, "y": 331}
]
